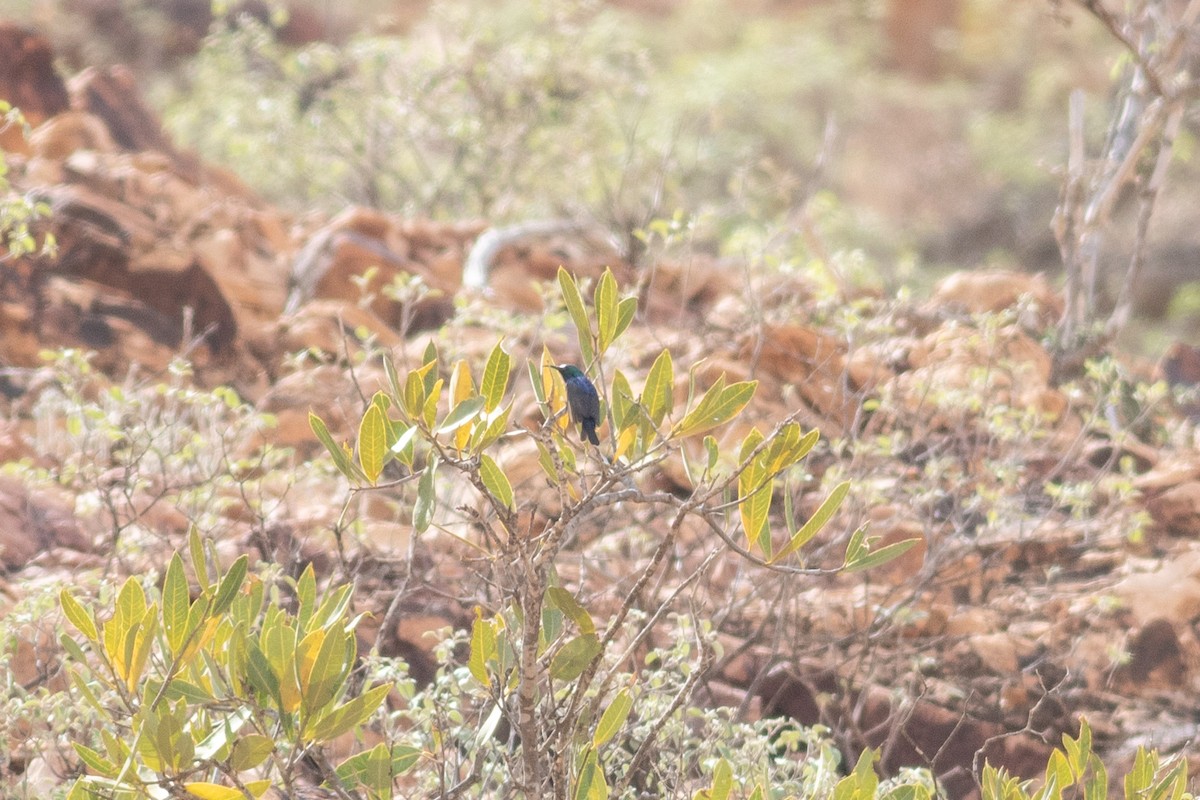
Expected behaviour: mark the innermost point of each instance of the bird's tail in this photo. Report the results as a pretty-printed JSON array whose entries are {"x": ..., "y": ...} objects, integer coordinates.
[{"x": 589, "y": 431}]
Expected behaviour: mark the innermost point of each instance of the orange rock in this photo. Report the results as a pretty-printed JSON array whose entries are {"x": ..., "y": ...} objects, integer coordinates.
[
  {"x": 68, "y": 133},
  {"x": 34, "y": 520},
  {"x": 1171, "y": 591},
  {"x": 1177, "y": 509},
  {"x": 28, "y": 81},
  {"x": 984, "y": 291}
]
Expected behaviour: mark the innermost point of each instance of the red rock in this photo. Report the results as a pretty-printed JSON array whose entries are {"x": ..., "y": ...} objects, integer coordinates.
[{"x": 34, "y": 520}]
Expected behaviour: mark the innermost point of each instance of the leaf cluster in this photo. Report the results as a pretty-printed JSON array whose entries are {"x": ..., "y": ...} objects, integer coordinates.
[{"x": 222, "y": 689}]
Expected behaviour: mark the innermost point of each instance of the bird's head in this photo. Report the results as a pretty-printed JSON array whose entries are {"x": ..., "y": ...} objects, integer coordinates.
[{"x": 569, "y": 371}]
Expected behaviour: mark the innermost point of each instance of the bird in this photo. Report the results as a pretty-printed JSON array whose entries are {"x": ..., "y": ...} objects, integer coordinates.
[{"x": 582, "y": 399}]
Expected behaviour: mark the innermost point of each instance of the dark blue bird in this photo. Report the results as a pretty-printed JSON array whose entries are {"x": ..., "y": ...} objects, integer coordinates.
[{"x": 582, "y": 399}]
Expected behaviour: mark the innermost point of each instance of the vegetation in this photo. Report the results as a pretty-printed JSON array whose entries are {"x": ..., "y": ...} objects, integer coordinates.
[
  {"x": 18, "y": 214},
  {"x": 746, "y": 125},
  {"x": 210, "y": 674},
  {"x": 234, "y": 686}
]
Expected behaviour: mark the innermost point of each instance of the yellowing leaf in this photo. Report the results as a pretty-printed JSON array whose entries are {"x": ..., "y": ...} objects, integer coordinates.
[
  {"x": 433, "y": 395},
  {"x": 483, "y": 648},
  {"x": 722, "y": 782},
  {"x": 372, "y": 443},
  {"x": 495, "y": 481},
  {"x": 719, "y": 404},
  {"x": 349, "y": 715},
  {"x": 462, "y": 385},
  {"x": 625, "y": 442},
  {"x": 755, "y": 493},
  {"x": 816, "y": 522},
  {"x": 605, "y": 300},
  {"x": 495, "y": 377},
  {"x": 213, "y": 791},
  {"x": 658, "y": 394},
  {"x": 78, "y": 615},
  {"x": 175, "y": 605},
  {"x": 574, "y": 302},
  {"x": 340, "y": 459},
  {"x": 625, "y": 311},
  {"x": 613, "y": 718}
]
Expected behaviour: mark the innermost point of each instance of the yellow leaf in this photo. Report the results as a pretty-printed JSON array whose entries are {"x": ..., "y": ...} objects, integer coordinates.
[{"x": 213, "y": 791}]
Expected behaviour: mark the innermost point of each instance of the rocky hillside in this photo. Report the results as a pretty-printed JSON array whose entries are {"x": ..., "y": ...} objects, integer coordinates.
[{"x": 1057, "y": 505}]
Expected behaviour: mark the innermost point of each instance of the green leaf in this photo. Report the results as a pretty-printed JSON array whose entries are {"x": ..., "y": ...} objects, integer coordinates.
[
  {"x": 565, "y": 602},
  {"x": 250, "y": 750},
  {"x": 333, "y": 607},
  {"x": 591, "y": 784},
  {"x": 535, "y": 380},
  {"x": 786, "y": 448},
  {"x": 432, "y": 396},
  {"x": 371, "y": 770},
  {"x": 389, "y": 369},
  {"x": 96, "y": 762},
  {"x": 72, "y": 647},
  {"x": 416, "y": 391},
  {"x": 78, "y": 616},
  {"x": 755, "y": 489},
  {"x": 613, "y": 718},
  {"x": 719, "y": 404},
  {"x": 713, "y": 451},
  {"x": 142, "y": 640},
  {"x": 306, "y": 597},
  {"x": 483, "y": 648},
  {"x": 175, "y": 605},
  {"x": 461, "y": 414},
  {"x": 340, "y": 459},
  {"x": 546, "y": 461},
  {"x": 495, "y": 481},
  {"x": 190, "y": 692},
  {"x": 261, "y": 676},
  {"x": 722, "y": 782},
  {"x": 574, "y": 302},
  {"x": 131, "y": 602},
  {"x": 426, "y": 499},
  {"x": 230, "y": 585},
  {"x": 658, "y": 395},
  {"x": 196, "y": 553},
  {"x": 816, "y": 522},
  {"x": 349, "y": 715},
  {"x": 430, "y": 356},
  {"x": 862, "y": 783},
  {"x": 496, "y": 427},
  {"x": 574, "y": 657},
  {"x": 873, "y": 558},
  {"x": 911, "y": 791},
  {"x": 605, "y": 301},
  {"x": 375, "y": 769},
  {"x": 624, "y": 407},
  {"x": 403, "y": 446},
  {"x": 625, "y": 313},
  {"x": 372, "y": 443},
  {"x": 321, "y": 659},
  {"x": 495, "y": 377}
]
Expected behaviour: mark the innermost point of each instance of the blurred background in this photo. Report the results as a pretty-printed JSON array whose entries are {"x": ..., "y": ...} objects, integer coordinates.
[{"x": 887, "y": 142}]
